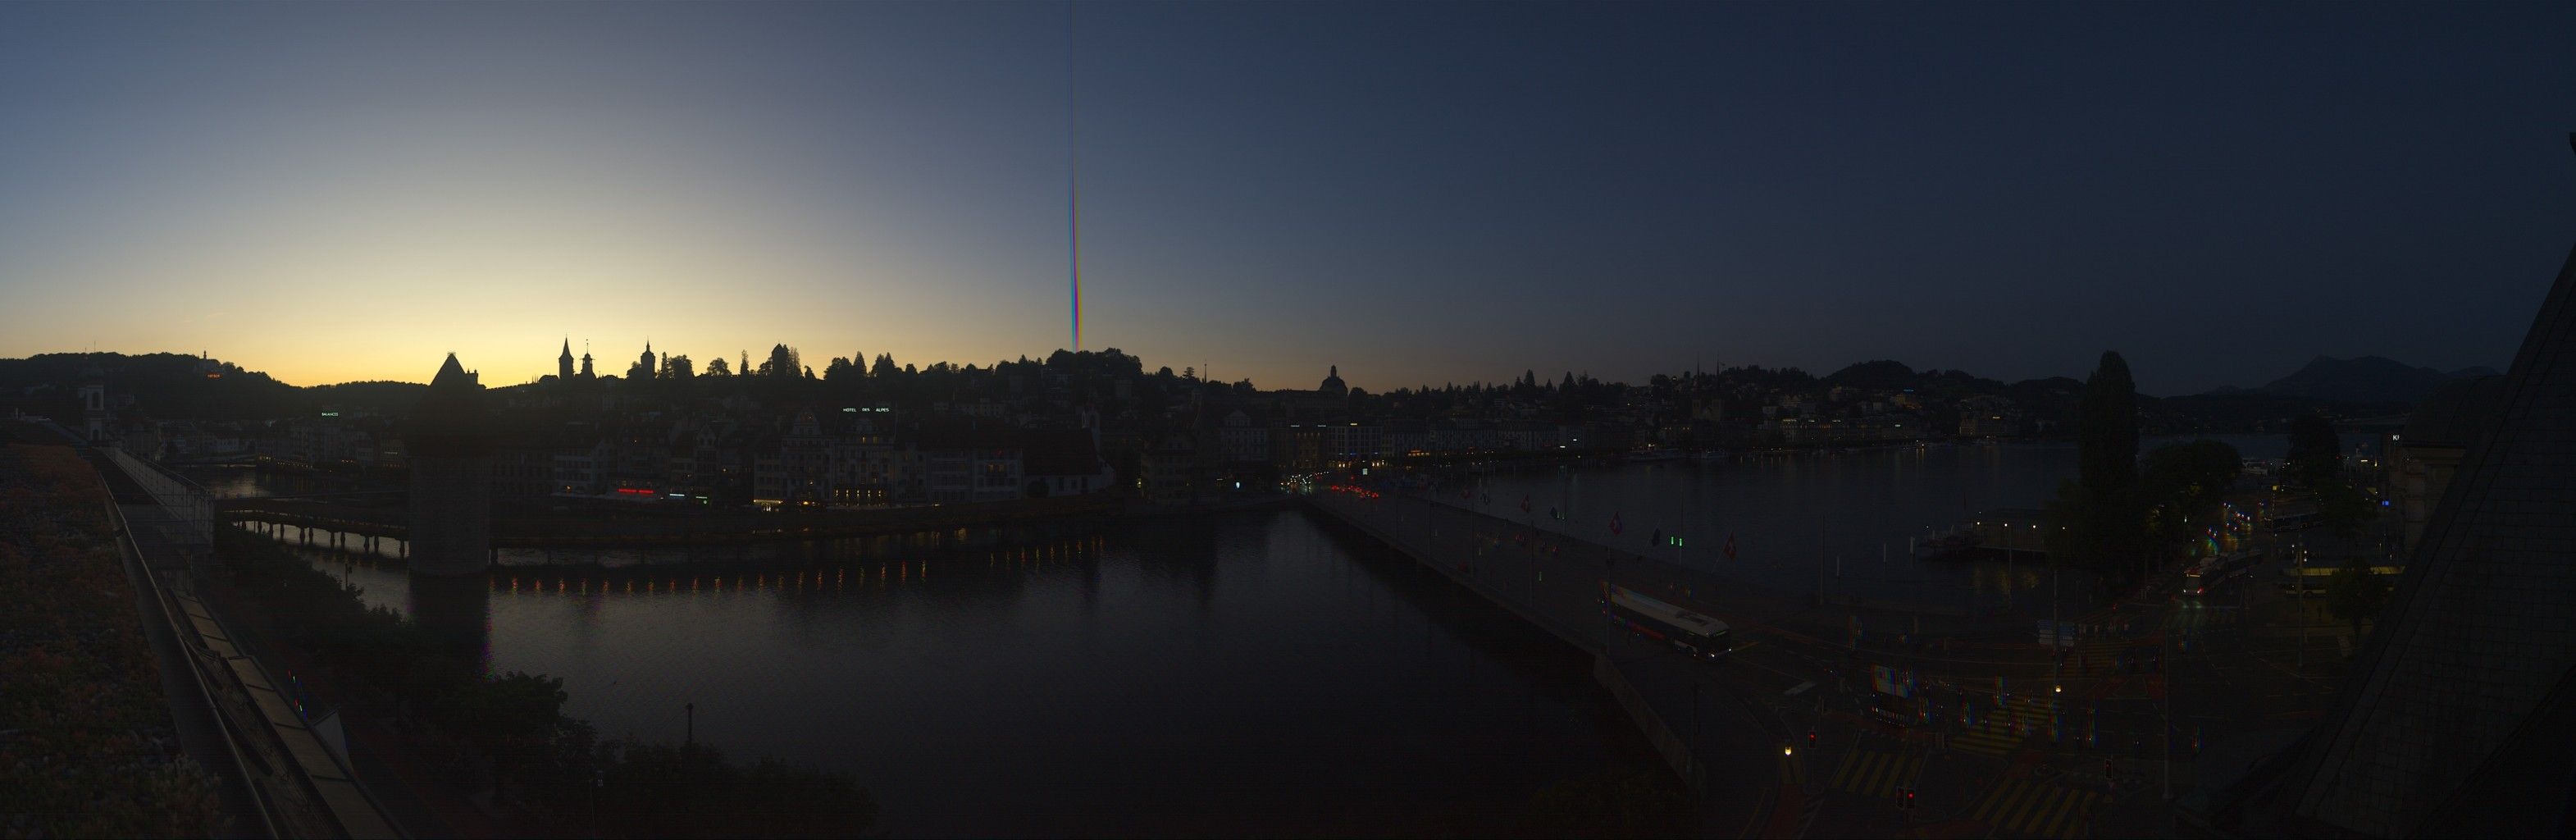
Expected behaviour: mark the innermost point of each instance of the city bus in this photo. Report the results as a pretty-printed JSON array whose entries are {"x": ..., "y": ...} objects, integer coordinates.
[
  {"x": 2311, "y": 580},
  {"x": 2218, "y": 570},
  {"x": 1695, "y": 634}
]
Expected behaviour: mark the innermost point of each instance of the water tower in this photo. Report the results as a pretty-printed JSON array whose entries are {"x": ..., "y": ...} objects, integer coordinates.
[{"x": 450, "y": 449}]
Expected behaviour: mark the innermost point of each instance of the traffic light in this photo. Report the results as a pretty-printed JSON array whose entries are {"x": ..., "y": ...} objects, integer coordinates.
[
  {"x": 1905, "y": 798},
  {"x": 1811, "y": 736}
]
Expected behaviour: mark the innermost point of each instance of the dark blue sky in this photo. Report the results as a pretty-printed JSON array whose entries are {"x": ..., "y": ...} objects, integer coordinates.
[{"x": 1415, "y": 192}]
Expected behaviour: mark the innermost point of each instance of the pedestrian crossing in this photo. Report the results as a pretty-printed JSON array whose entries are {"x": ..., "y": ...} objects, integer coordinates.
[
  {"x": 2037, "y": 809},
  {"x": 1996, "y": 733},
  {"x": 1873, "y": 773}
]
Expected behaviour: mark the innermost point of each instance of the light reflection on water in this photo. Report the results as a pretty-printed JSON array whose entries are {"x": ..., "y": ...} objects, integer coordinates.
[{"x": 1247, "y": 665}]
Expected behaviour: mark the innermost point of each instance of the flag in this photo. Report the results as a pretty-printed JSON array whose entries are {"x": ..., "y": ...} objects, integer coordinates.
[
  {"x": 1730, "y": 546},
  {"x": 1615, "y": 527}
]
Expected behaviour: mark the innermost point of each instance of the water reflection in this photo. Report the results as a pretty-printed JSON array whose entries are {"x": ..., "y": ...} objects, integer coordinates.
[
  {"x": 458, "y": 612},
  {"x": 1077, "y": 685}
]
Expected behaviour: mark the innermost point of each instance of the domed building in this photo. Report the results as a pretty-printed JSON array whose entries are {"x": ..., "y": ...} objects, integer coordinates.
[{"x": 1329, "y": 400}]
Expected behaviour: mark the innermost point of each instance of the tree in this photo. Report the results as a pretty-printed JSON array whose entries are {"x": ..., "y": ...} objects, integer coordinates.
[
  {"x": 2355, "y": 593},
  {"x": 2183, "y": 480},
  {"x": 719, "y": 368},
  {"x": 838, "y": 370},
  {"x": 2107, "y": 467},
  {"x": 2191, "y": 475},
  {"x": 884, "y": 367},
  {"x": 679, "y": 367},
  {"x": 514, "y": 718},
  {"x": 782, "y": 363},
  {"x": 2108, "y": 417},
  {"x": 2314, "y": 454},
  {"x": 2344, "y": 510}
]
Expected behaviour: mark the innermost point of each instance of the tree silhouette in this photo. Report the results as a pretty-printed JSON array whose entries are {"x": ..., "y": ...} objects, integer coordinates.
[
  {"x": 2314, "y": 454},
  {"x": 782, "y": 363},
  {"x": 2107, "y": 466},
  {"x": 2355, "y": 594},
  {"x": 719, "y": 368}
]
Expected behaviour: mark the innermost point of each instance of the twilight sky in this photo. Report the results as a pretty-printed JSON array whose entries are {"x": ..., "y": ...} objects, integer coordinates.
[{"x": 1415, "y": 192}]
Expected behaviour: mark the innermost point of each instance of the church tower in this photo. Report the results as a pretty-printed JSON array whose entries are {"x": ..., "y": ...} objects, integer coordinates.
[
  {"x": 585, "y": 360},
  {"x": 563, "y": 363}
]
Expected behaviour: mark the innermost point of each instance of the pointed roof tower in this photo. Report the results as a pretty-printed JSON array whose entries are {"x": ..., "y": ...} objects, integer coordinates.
[
  {"x": 2475, "y": 657},
  {"x": 449, "y": 418},
  {"x": 451, "y": 376}
]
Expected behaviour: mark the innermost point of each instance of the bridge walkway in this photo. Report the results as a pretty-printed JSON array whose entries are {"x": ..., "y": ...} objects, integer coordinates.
[
  {"x": 280, "y": 768},
  {"x": 1711, "y": 724}
]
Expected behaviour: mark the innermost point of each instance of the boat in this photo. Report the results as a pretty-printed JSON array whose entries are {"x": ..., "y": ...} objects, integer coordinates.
[
  {"x": 1653, "y": 456},
  {"x": 1709, "y": 456}
]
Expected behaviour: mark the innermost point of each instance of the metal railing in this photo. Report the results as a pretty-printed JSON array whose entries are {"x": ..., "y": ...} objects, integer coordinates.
[
  {"x": 141, "y": 572},
  {"x": 190, "y": 507}
]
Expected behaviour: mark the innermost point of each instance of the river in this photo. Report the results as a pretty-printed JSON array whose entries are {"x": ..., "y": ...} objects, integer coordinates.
[
  {"x": 1239, "y": 674},
  {"x": 1244, "y": 674},
  {"x": 1836, "y": 520}
]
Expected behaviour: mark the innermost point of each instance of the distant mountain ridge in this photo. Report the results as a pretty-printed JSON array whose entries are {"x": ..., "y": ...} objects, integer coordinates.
[{"x": 2368, "y": 379}]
